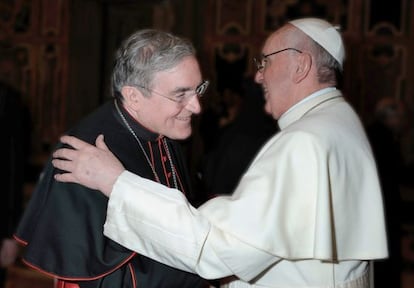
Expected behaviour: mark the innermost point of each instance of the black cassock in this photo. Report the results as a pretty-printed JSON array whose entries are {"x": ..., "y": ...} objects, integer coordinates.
[{"x": 62, "y": 227}]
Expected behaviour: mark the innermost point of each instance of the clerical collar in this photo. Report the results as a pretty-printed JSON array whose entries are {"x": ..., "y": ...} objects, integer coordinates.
[
  {"x": 141, "y": 131},
  {"x": 311, "y": 96}
]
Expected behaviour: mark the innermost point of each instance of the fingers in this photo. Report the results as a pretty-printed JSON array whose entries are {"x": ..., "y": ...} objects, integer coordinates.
[
  {"x": 65, "y": 177},
  {"x": 100, "y": 143},
  {"x": 64, "y": 165},
  {"x": 74, "y": 142},
  {"x": 79, "y": 144},
  {"x": 65, "y": 153}
]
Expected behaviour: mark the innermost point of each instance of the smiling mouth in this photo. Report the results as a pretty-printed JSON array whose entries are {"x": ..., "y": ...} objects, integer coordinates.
[{"x": 184, "y": 118}]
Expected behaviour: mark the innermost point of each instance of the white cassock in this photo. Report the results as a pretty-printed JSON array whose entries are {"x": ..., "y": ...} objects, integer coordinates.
[{"x": 307, "y": 213}]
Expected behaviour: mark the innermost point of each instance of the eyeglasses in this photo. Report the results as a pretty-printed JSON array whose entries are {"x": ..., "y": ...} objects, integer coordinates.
[
  {"x": 183, "y": 96},
  {"x": 261, "y": 63}
]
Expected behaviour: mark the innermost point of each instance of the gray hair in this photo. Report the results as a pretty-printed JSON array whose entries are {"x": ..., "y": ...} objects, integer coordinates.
[
  {"x": 327, "y": 66},
  {"x": 145, "y": 53}
]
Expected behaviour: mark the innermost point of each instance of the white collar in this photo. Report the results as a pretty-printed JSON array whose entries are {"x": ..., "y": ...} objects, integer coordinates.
[{"x": 311, "y": 96}]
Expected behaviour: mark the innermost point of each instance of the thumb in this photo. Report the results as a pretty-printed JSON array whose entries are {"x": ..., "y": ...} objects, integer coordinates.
[{"x": 100, "y": 143}]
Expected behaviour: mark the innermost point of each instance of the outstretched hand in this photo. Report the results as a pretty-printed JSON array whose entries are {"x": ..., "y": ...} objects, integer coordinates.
[{"x": 94, "y": 167}]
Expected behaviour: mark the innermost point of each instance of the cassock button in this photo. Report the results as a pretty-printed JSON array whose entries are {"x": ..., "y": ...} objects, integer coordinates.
[{"x": 164, "y": 158}]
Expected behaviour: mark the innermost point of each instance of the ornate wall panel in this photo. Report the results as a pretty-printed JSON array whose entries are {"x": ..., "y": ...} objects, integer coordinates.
[
  {"x": 233, "y": 17},
  {"x": 33, "y": 39},
  {"x": 382, "y": 55},
  {"x": 227, "y": 43},
  {"x": 383, "y": 69},
  {"x": 277, "y": 12}
]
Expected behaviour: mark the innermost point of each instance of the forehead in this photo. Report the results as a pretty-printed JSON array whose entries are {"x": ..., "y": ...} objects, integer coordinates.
[
  {"x": 185, "y": 74},
  {"x": 276, "y": 40}
]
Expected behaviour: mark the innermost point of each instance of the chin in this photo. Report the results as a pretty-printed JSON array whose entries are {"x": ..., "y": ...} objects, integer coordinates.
[
  {"x": 180, "y": 136},
  {"x": 268, "y": 110}
]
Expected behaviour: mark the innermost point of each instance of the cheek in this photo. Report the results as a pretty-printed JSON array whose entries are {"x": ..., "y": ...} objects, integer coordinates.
[
  {"x": 172, "y": 114},
  {"x": 171, "y": 119},
  {"x": 177, "y": 129},
  {"x": 161, "y": 117}
]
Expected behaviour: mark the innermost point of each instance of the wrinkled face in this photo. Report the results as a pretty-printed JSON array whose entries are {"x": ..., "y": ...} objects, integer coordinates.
[
  {"x": 164, "y": 112},
  {"x": 275, "y": 74}
]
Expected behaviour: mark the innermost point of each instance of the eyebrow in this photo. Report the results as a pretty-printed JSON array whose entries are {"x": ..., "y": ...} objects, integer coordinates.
[
  {"x": 181, "y": 89},
  {"x": 184, "y": 89}
]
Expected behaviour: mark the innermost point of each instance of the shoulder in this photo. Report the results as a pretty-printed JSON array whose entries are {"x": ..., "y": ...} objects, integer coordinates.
[
  {"x": 99, "y": 121},
  {"x": 293, "y": 146}
]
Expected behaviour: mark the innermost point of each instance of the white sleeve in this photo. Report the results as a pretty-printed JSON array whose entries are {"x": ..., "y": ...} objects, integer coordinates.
[{"x": 158, "y": 222}]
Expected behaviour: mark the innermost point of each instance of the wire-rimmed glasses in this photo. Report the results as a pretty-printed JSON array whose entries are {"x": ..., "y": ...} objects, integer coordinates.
[
  {"x": 183, "y": 96},
  {"x": 261, "y": 63}
]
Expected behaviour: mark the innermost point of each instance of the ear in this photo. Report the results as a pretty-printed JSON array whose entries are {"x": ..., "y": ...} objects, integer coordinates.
[
  {"x": 132, "y": 96},
  {"x": 304, "y": 65}
]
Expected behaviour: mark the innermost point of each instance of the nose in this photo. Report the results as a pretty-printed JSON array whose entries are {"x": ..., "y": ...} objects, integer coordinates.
[
  {"x": 258, "y": 77},
  {"x": 194, "y": 105}
]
